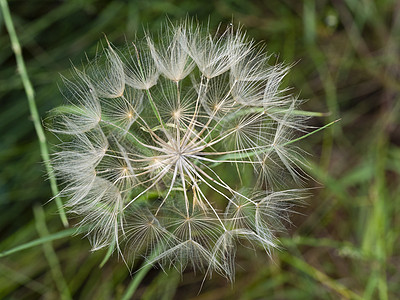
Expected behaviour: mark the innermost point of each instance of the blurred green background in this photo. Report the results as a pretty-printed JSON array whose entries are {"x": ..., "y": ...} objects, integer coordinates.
[{"x": 343, "y": 244}]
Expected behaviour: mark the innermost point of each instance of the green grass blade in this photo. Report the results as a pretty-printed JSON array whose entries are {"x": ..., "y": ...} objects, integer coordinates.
[
  {"x": 136, "y": 280},
  {"x": 30, "y": 94},
  {"x": 50, "y": 254},
  {"x": 51, "y": 237},
  {"x": 139, "y": 275},
  {"x": 320, "y": 276},
  {"x": 108, "y": 254}
]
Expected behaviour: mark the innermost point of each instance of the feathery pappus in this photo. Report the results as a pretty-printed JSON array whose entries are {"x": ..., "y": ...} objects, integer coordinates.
[{"x": 179, "y": 145}]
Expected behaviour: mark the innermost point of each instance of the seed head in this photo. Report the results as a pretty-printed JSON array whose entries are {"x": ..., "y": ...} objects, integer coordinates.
[{"x": 159, "y": 142}]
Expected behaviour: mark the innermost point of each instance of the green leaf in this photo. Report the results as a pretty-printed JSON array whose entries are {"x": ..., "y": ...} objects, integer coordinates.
[{"x": 40, "y": 241}]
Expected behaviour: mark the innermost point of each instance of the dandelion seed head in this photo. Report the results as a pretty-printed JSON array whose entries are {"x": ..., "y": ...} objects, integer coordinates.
[{"x": 145, "y": 129}]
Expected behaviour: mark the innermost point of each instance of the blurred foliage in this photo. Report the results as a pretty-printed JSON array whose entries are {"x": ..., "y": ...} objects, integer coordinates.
[{"x": 343, "y": 244}]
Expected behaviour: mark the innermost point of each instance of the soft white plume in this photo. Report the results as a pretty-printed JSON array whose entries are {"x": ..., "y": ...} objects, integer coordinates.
[{"x": 157, "y": 138}]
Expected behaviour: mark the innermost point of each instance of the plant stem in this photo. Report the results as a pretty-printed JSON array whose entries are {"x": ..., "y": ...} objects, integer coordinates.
[
  {"x": 136, "y": 280},
  {"x": 48, "y": 238},
  {"x": 30, "y": 94},
  {"x": 50, "y": 254}
]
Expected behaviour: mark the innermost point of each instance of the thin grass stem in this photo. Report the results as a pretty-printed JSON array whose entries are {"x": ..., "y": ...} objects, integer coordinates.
[{"x": 30, "y": 94}]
